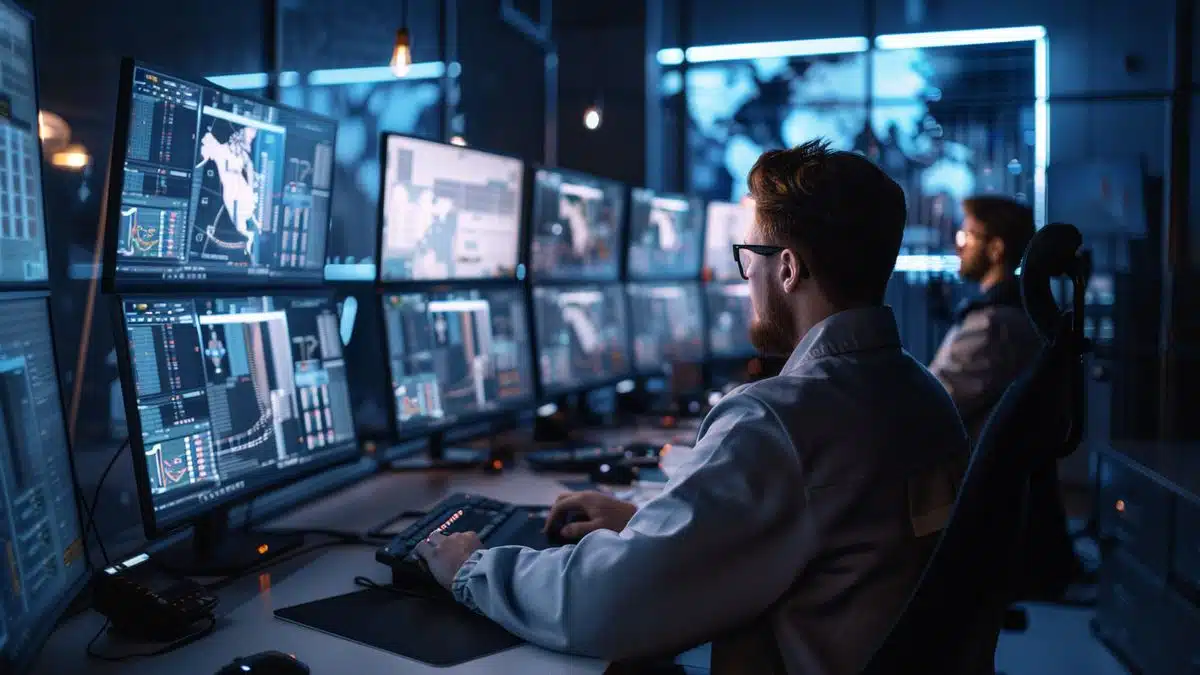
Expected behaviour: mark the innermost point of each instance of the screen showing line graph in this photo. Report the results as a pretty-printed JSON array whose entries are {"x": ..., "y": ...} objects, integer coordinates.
[
  {"x": 234, "y": 393},
  {"x": 219, "y": 187}
]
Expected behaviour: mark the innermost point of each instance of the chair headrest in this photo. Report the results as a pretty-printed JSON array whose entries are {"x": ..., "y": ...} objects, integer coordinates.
[{"x": 1053, "y": 252}]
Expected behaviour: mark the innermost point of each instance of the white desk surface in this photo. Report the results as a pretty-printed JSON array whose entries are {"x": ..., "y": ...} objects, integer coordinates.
[{"x": 248, "y": 624}]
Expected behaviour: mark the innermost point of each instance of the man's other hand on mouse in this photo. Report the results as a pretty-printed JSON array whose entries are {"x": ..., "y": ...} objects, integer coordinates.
[
  {"x": 598, "y": 510},
  {"x": 445, "y": 554}
]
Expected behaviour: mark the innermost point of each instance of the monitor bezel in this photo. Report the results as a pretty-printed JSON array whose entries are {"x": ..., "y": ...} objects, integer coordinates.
[
  {"x": 711, "y": 355},
  {"x": 551, "y": 393},
  {"x": 627, "y": 274},
  {"x": 114, "y": 185},
  {"x": 622, "y": 227},
  {"x": 10, "y": 285},
  {"x": 705, "y": 355},
  {"x": 24, "y": 661},
  {"x": 400, "y": 435},
  {"x": 153, "y": 526},
  {"x": 521, "y": 271}
]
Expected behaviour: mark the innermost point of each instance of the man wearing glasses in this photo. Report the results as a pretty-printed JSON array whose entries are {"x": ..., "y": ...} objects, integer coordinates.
[{"x": 801, "y": 521}]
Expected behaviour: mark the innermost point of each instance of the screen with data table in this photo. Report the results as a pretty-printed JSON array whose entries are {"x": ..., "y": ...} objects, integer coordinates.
[
  {"x": 22, "y": 219},
  {"x": 43, "y": 562},
  {"x": 210, "y": 186},
  {"x": 577, "y": 221},
  {"x": 457, "y": 355},
  {"x": 449, "y": 213},
  {"x": 726, "y": 224},
  {"x": 582, "y": 336},
  {"x": 665, "y": 236},
  {"x": 233, "y": 394},
  {"x": 729, "y": 317},
  {"x": 668, "y": 325}
]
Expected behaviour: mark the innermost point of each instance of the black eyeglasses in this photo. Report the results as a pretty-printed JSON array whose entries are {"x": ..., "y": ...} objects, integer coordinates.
[{"x": 760, "y": 249}]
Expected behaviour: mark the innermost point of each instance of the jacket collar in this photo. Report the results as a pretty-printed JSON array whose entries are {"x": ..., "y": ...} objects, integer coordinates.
[{"x": 1007, "y": 293}]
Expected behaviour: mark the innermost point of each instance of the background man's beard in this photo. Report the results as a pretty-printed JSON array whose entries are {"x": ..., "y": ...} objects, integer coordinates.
[
  {"x": 972, "y": 269},
  {"x": 773, "y": 332}
]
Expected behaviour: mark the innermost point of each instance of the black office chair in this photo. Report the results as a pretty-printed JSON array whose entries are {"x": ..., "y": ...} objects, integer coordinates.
[{"x": 953, "y": 620}]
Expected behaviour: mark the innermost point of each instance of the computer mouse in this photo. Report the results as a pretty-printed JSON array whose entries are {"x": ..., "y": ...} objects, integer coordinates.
[
  {"x": 554, "y": 528},
  {"x": 265, "y": 663}
]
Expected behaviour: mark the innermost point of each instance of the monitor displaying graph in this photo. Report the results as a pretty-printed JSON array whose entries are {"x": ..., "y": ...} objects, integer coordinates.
[
  {"x": 667, "y": 321},
  {"x": 213, "y": 187},
  {"x": 726, "y": 224},
  {"x": 665, "y": 236}
]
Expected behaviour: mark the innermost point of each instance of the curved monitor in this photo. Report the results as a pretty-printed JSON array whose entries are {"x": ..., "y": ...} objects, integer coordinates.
[
  {"x": 577, "y": 222},
  {"x": 729, "y": 318},
  {"x": 582, "y": 336},
  {"x": 726, "y": 225},
  {"x": 668, "y": 325},
  {"x": 44, "y": 563},
  {"x": 456, "y": 356},
  {"x": 22, "y": 207},
  {"x": 448, "y": 212},
  {"x": 230, "y": 396},
  {"x": 212, "y": 187},
  {"x": 666, "y": 236}
]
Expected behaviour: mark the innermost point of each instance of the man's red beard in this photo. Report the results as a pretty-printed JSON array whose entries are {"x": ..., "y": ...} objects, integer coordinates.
[{"x": 773, "y": 331}]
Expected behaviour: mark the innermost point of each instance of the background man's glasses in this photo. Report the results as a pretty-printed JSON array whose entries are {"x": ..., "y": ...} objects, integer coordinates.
[{"x": 739, "y": 251}]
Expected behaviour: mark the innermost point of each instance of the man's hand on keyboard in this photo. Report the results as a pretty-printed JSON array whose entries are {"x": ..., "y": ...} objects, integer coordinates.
[
  {"x": 578, "y": 513},
  {"x": 443, "y": 555}
]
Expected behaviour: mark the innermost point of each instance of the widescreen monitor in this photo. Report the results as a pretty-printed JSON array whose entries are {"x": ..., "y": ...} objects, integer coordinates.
[
  {"x": 230, "y": 396},
  {"x": 577, "y": 226},
  {"x": 448, "y": 212},
  {"x": 211, "y": 187},
  {"x": 665, "y": 236},
  {"x": 22, "y": 208},
  {"x": 582, "y": 336},
  {"x": 44, "y": 563},
  {"x": 667, "y": 321},
  {"x": 726, "y": 224},
  {"x": 729, "y": 318},
  {"x": 456, "y": 356}
]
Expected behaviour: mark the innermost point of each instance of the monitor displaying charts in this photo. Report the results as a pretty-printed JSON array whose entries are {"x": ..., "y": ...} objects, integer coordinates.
[
  {"x": 232, "y": 395},
  {"x": 22, "y": 215},
  {"x": 208, "y": 186},
  {"x": 668, "y": 325},
  {"x": 449, "y": 213},
  {"x": 457, "y": 355},
  {"x": 577, "y": 221},
  {"x": 726, "y": 225},
  {"x": 582, "y": 336},
  {"x": 729, "y": 318},
  {"x": 665, "y": 236},
  {"x": 44, "y": 566}
]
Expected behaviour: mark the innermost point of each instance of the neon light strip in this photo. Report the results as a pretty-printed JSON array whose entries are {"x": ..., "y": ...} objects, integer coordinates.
[
  {"x": 960, "y": 38},
  {"x": 290, "y": 78},
  {"x": 762, "y": 50}
]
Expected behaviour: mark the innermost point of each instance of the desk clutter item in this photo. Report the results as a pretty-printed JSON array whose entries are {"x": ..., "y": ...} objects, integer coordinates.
[{"x": 433, "y": 630}]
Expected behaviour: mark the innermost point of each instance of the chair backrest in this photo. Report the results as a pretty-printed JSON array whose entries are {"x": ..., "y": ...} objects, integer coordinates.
[{"x": 954, "y": 617}]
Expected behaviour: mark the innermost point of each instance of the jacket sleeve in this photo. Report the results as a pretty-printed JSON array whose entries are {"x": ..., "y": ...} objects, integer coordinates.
[
  {"x": 712, "y": 551},
  {"x": 980, "y": 359}
]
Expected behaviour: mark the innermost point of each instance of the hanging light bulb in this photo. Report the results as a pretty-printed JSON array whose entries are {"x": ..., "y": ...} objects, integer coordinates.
[
  {"x": 401, "y": 54},
  {"x": 73, "y": 157},
  {"x": 591, "y": 118}
]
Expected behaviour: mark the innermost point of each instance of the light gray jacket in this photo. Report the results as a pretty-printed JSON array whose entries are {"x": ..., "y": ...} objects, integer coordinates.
[{"x": 791, "y": 539}]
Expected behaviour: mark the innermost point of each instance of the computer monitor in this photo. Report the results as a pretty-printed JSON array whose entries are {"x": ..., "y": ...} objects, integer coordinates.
[
  {"x": 211, "y": 187},
  {"x": 577, "y": 221},
  {"x": 448, "y": 212},
  {"x": 45, "y": 566},
  {"x": 456, "y": 356},
  {"x": 582, "y": 336},
  {"x": 665, "y": 236},
  {"x": 22, "y": 208},
  {"x": 228, "y": 397},
  {"x": 668, "y": 325},
  {"x": 729, "y": 317},
  {"x": 726, "y": 225}
]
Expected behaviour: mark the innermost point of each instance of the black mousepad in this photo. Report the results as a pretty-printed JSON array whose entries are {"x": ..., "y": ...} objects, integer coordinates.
[{"x": 436, "y": 631}]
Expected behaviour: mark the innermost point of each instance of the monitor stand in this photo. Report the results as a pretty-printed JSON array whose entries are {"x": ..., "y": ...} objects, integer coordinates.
[{"x": 217, "y": 550}]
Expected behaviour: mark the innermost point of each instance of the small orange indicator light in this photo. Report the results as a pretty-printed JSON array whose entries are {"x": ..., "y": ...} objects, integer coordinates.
[
  {"x": 1120, "y": 505},
  {"x": 497, "y": 464},
  {"x": 263, "y": 548}
]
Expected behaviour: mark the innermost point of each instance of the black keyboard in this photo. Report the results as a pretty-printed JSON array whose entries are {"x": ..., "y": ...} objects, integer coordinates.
[{"x": 497, "y": 524}]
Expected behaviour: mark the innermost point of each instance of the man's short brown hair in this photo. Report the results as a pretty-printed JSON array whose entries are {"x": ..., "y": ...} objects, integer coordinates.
[
  {"x": 1006, "y": 219},
  {"x": 841, "y": 212}
]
